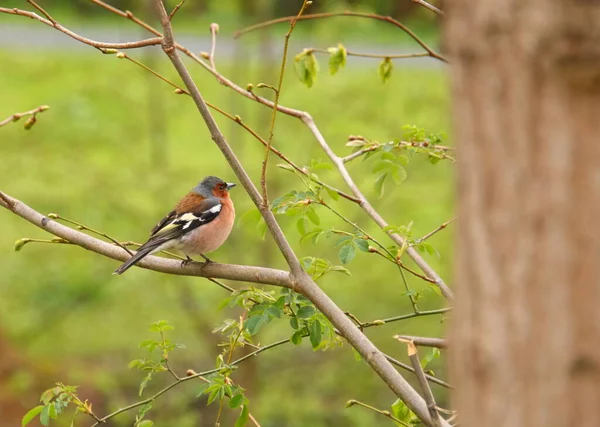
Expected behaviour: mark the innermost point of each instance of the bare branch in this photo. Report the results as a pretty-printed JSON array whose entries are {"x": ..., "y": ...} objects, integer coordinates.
[
  {"x": 128, "y": 45},
  {"x": 388, "y": 19},
  {"x": 413, "y": 355},
  {"x": 424, "y": 341},
  {"x": 429, "y": 6},
  {"x": 431, "y": 233},
  {"x": 211, "y": 270},
  {"x": 175, "y": 9},
  {"x": 42, "y": 11}
]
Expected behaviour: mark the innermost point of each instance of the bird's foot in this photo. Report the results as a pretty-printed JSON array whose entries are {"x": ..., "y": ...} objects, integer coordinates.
[
  {"x": 206, "y": 259},
  {"x": 186, "y": 261}
]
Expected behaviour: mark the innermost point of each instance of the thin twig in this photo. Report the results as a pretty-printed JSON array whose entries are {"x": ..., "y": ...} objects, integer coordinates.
[
  {"x": 388, "y": 19},
  {"x": 388, "y": 414},
  {"x": 263, "y": 174},
  {"x": 411, "y": 369},
  {"x": 43, "y": 12},
  {"x": 127, "y": 45},
  {"x": 175, "y": 9},
  {"x": 373, "y": 55},
  {"x": 431, "y": 233},
  {"x": 429, "y": 6},
  {"x": 91, "y": 230},
  {"x": 15, "y": 117}
]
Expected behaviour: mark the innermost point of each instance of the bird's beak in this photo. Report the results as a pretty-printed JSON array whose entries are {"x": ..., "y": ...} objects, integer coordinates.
[{"x": 230, "y": 185}]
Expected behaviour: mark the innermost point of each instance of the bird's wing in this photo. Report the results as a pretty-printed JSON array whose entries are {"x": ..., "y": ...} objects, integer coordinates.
[{"x": 175, "y": 224}]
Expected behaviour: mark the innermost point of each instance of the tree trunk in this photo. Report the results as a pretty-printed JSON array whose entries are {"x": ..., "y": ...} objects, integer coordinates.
[{"x": 526, "y": 325}]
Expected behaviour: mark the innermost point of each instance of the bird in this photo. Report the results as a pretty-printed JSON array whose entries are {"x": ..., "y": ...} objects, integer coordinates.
[{"x": 200, "y": 223}]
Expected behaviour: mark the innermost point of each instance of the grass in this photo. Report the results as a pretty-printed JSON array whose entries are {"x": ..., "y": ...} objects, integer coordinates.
[{"x": 117, "y": 149}]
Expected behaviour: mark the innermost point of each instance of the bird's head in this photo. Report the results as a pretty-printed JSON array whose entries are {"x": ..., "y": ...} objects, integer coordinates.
[{"x": 211, "y": 186}]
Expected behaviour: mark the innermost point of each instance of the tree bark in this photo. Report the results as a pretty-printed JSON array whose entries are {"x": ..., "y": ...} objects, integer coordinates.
[{"x": 525, "y": 332}]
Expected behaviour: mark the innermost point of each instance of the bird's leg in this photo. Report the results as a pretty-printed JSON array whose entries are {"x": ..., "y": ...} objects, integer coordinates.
[
  {"x": 186, "y": 261},
  {"x": 206, "y": 259}
]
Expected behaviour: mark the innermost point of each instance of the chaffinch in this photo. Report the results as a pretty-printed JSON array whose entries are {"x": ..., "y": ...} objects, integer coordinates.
[{"x": 199, "y": 224}]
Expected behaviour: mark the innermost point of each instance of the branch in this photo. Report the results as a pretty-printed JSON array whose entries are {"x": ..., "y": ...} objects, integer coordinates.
[
  {"x": 423, "y": 341},
  {"x": 374, "y": 55},
  {"x": 429, "y": 6},
  {"x": 15, "y": 117},
  {"x": 243, "y": 273},
  {"x": 128, "y": 45},
  {"x": 414, "y": 360},
  {"x": 387, "y": 19},
  {"x": 431, "y": 233}
]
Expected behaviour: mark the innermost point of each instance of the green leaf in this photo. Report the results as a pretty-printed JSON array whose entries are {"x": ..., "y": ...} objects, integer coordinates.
[
  {"x": 136, "y": 363},
  {"x": 273, "y": 311},
  {"x": 213, "y": 395},
  {"x": 435, "y": 352},
  {"x": 343, "y": 241},
  {"x": 52, "y": 412},
  {"x": 144, "y": 382},
  {"x": 385, "y": 69},
  {"x": 381, "y": 165},
  {"x": 402, "y": 412},
  {"x": 337, "y": 58},
  {"x": 243, "y": 418},
  {"x": 301, "y": 225},
  {"x": 315, "y": 333},
  {"x": 362, "y": 244},
  {"x": 294, "y": 322},
  {"x": 149, "y": 344},
  {"x": 334, "y": 195},
  {"x": 307, "y": 67},
  {"x": 341, "y": 269},
  {"x": 347, "y": 253},
  {"x": 145, "y": 423},
  {"x": 399, "y": 174},
  {"x": 297, "y": 336},
  {"x": 379, "y": 184},
  {"x": 254, "y": 324},
  {"x": 313, "y": 216},
  {"x": 45, "y": 416},
  {"x": 236, "y": 401},
  {"x": 31, "y": 415},
  {"x": 305, "y": 312},
  {"x": 202, "y": 389}
]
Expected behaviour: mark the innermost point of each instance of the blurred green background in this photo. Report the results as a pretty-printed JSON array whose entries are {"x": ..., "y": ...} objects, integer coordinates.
[{"x": 118, "y": 149}]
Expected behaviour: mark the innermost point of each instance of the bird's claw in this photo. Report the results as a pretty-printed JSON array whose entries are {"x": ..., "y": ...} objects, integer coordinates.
[
  {"x": 206, "y": 259},
  {"x": 186, "y": 261}
]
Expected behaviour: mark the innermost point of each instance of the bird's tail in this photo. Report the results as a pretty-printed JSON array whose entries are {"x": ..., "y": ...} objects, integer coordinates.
[{"x": 143, "y": 252}]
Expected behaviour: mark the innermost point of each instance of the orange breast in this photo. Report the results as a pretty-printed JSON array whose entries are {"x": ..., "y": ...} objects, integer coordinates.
[{"x": 211, "y": 236}]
